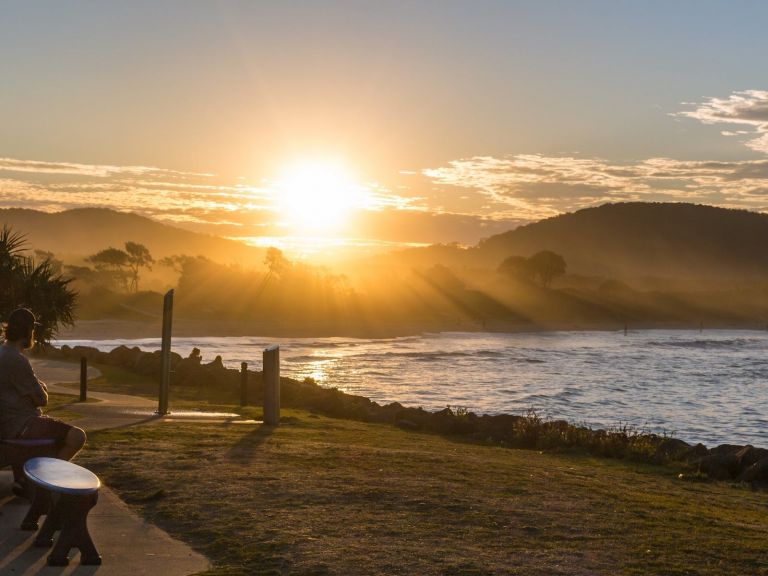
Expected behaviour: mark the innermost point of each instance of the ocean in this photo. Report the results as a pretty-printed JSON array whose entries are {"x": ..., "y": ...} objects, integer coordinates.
[{"x": 701, "y": 386}]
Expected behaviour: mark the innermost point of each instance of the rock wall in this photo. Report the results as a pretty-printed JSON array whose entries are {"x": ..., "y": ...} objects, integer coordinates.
[{"x": 214, "y": 382}]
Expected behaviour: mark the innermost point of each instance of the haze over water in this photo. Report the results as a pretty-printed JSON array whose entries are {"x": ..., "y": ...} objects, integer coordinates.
[{"x": 705, "y": 386}]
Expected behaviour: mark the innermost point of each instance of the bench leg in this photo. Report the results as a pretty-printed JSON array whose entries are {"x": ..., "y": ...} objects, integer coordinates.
[
  {"x": 73, "y": 512},
  {"x": 41, "y": 504},
  {"x": 53, "y": 523}
]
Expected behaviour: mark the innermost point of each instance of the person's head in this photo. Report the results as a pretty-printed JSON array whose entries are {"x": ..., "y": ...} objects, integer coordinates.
[{"x": 21, "y": 327}]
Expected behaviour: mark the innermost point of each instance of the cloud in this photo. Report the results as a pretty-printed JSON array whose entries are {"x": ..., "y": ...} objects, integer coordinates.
[
  {"x": 92, "y": 170},
  {"x": 538, "y": 186},
  {"x": 197, "y": 201},
  {"x": 746, "y": 108}
]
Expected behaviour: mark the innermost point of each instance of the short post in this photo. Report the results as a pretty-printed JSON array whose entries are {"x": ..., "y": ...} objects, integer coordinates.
[
  {"x": 271, "y": 359},
  {"x": 244, "y": 384},
  {"x": 83, "y": 379},
  {"x": 165, "y": 354}
]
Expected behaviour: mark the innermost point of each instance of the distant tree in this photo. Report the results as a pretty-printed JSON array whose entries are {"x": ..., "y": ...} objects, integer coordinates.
[
  {"x": 56, "y": 264},
  {"x": 518, "y": 267},
  {"x": 138, "y": 257},
  {"x": 276, "y": 262},
  {"x": 115, "y": 263},
  {"x": 176, "y": 262},
  {"x": 124, "y": 265},
  {"x": 34, "y": 284},
  {"x": 544, "y": 266},
  {"x": 547, "y": 265}
]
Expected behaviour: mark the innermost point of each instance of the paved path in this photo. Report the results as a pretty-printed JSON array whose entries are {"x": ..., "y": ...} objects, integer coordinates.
[{"x": 128, "y": 544}]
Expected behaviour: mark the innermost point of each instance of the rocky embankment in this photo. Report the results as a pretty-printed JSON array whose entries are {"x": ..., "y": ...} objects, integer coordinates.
[{"x": 212, "y": 381}]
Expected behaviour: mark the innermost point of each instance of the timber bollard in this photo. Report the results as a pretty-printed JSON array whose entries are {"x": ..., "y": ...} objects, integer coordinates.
[
  {"x": 244, "y": 384},
  {"x": 165, "y": 354},
  {"x": 83, "y": 379},
  {"x": 271, "y": 376}
]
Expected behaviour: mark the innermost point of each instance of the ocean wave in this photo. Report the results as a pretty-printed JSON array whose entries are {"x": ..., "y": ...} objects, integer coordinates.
[{"x": 703, "y": 343}]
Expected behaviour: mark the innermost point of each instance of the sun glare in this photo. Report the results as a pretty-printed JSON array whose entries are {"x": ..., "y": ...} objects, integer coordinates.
[{"x": 317, "y": 196}]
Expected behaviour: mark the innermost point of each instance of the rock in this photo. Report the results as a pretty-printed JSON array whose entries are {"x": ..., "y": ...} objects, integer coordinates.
[
  {"x": 123, "y": 356},
  {"x": 725, "y": 449},
  {"x": 749, "y": 455},
  {"x": 92, "y": 354},
  {"x": 694, "y": 453},
  {"x": 148, "y": 363},
  {"x": 671, "y": 449},
  {"x": 720, "y": 465},
  {"x": 216, "y": 364},
  {"x": 757, "y": 472}
]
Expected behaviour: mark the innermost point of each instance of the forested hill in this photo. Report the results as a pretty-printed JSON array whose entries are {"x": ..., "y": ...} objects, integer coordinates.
[
  {"x": 647, "y": 244},
  {"x": 84, "y": 231},
  {"x": 645, "y": 240}
]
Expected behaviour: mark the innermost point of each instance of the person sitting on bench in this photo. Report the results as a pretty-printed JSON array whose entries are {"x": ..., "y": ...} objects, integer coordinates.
[{"x": 22, "y": 393}]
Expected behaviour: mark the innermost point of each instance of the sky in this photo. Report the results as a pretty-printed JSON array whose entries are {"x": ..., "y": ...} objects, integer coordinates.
[{"x": 311, "y": 125}]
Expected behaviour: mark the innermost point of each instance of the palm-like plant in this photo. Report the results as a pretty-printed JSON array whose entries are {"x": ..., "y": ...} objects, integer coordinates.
[{"x": 34, "y": 285}]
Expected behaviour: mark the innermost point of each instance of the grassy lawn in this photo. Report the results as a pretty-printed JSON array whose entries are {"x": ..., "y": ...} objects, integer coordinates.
[
  {"x": 119, "y": 381},
  {"x": 324, "y": 496}
]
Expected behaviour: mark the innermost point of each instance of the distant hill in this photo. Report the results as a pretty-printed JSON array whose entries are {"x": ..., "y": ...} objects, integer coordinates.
[
  {"x": 633, "y": 241},
  {"x": 84, "y": 231}
]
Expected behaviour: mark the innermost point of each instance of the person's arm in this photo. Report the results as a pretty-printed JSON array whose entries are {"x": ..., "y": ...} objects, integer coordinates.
[{"x": 28, "y": 384}]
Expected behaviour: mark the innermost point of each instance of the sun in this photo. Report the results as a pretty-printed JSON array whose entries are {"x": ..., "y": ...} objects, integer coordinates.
[{"x": 316, "y": 196}]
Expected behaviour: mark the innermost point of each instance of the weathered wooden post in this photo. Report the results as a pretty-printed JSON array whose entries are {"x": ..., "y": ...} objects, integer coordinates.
[
  {"x": 165, "y": 354},
  {"x": 244, "y": 384},
  {"x": 271, "y": 366},
  {"x": 83, "y": 379}
]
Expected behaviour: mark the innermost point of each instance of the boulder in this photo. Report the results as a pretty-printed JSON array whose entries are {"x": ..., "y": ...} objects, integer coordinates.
[
  {"x": 123, "y": 356},
  {"x": 757, "y": 472},
  {"x": 671, "y": 449},
  {"x": 749, "y": 455},
  {"x": 721, "y": 464}
]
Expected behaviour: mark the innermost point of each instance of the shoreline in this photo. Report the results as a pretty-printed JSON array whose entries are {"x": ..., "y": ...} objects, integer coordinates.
[
  {"x": 116, "y": 329},
  {"x": 214, "y": 382}
]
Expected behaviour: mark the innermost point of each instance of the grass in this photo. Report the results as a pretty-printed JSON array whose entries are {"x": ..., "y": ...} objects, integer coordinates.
[
  {"x": 117, "y": 380},
  {"x": 318, "y": 495}
]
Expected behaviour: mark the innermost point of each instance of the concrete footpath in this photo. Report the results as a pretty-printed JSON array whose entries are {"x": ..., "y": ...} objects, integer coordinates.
[{"x": 128, "y": 545}]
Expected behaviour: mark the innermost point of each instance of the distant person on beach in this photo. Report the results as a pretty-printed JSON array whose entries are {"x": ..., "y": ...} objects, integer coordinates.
[{"x": 22, "y": 393}]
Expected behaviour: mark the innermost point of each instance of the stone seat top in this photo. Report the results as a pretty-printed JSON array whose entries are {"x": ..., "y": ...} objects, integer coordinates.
[{"x": 61, "y": 476}]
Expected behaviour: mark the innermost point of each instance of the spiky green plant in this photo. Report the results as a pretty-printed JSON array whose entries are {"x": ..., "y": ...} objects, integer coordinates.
[{"x": 32, "y": 284}]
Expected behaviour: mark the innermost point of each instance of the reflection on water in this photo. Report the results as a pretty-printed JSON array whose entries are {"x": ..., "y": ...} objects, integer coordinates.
[{"x": 708, "y": 387}]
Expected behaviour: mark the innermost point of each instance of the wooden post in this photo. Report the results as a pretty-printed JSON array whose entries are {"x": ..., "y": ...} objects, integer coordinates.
[
  {"x": 244, "y": 384},
  {"x": 271, "y": 375},
  {"x": 83, "y": 379},
  {"x": 165, "y": 354}
]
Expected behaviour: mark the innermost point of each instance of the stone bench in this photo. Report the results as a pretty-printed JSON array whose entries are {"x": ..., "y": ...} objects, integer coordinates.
[{"x": 66, "y": 493}]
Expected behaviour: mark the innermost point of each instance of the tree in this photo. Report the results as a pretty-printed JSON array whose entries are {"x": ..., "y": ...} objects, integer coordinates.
[
  {"x": 518, "y": 267},
  {"x": 276, "y": 261},
  {"x": 547, "y": 265},
  {"x": 138, "y": 257},
  {"x": 37, "y": 285},
  {"x": 114, "y": 263},
  {"x": 123, "y": 265}
]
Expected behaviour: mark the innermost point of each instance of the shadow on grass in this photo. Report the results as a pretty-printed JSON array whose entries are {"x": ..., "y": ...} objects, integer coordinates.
[{"x": 245, "y": 449}]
